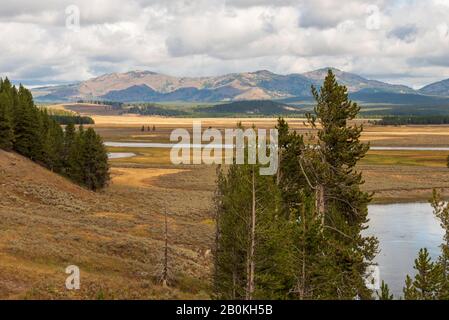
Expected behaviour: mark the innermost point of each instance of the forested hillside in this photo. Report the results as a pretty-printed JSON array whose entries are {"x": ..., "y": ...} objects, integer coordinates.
[{"x": 77, "y": 154}]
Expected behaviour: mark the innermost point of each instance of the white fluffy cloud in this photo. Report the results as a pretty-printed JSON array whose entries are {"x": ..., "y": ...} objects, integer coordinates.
[{"x": 401, "y": 41}]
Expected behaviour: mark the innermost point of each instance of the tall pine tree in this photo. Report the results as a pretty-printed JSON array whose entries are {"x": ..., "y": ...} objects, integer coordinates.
[
  {"x": 95, "y": 169},
  {"x": 329, "y": 165},
  {"x": 6, "y": 124}
]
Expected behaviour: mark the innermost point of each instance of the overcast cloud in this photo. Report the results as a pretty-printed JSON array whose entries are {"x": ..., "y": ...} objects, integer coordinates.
[{"x": 400, "y": 41}]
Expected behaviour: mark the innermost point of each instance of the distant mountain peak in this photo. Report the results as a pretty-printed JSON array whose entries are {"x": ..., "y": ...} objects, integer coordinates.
[
  {"x": 326, "y": 69},
  {"x": 142, "y": 72},
  {"x": 439, "y": 88},
  {"x": 264, "y": 72}
]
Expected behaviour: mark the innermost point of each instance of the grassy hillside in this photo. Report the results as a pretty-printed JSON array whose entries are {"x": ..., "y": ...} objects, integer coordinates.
[{"x": 48, "y": 223}]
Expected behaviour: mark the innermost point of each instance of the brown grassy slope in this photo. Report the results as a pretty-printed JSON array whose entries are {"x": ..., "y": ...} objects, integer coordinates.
[{"x": 115, "y": 237}]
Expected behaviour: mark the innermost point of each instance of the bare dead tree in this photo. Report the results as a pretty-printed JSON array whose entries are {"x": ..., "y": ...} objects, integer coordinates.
[{"x": 165, "y": 265}]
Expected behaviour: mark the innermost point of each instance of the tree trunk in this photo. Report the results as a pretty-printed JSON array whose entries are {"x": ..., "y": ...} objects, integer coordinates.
[
  {"x": 278, "y": 173},
  {"x": 320, "y": 204},
  {"x": 250, "y": 291},
  {"x": 303, "y": 275}
]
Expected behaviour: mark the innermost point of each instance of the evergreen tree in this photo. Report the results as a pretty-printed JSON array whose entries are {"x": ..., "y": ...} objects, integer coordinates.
[
  {"x": 432, "y": 279},
  {"x": 289, "y": 177},
  {"x": 340, "y": 204},
  {"x": 95, "y": 161},
  {"x": 428, "y": 280},
  {"x": 68, "y": 146},
  {"x": 6, "y": 124},
  {"x": 27, "y": 126},
  {"x": 322, "y": 194},
  {"x": 384, "y": 292},
  {"x": 75, "y": 151},
  {"x": 53, "y": 143},
  {"x": 441, "y": 211}
]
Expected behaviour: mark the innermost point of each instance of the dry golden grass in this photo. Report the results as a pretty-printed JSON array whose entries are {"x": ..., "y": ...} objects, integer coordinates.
[
  {"x": 170, "y": 122},
  {"x": 404, "y": 183},
  {"x": 115, "y": 237},
  {"x": 424, "y": 136},
  {"x": 138, "y": 178}
]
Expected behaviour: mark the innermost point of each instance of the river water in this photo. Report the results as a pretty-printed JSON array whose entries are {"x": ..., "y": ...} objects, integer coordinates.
[
  {"x": 402, "y": 229},
  {"x": 225, "y": 146},
  {"x": 120, "y": 155}
]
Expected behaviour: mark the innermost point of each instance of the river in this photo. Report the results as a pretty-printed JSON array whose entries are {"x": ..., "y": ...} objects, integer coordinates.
[
  {"x": 120, "y": 155},
  {"x": 402, "y": 229},
  {"x": 170, "y": 145}
]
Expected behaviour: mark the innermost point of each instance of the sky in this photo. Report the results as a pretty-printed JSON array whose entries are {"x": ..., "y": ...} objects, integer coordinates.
[{"x": 54, "y": 41}]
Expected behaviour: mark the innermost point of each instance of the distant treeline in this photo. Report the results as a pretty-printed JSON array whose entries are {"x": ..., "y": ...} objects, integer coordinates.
[
  {"x": 153, "y": 109},
  {"x": 71, "y": 119},
  {"x": 254, "y": 107},
  {"x": 77, "y": 154},
  {"x": 114, "y": 104},
  {"x": 404, "y": 120}
]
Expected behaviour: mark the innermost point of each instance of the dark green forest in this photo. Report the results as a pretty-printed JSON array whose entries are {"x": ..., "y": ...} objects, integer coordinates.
[
  {"x": 152, "y": 109},
  {"x": 405, "y": 120},
  {"x": 77, "y": 154},
  {"x": 255, "y": 107},
  {"x": 69, "y": 119}
]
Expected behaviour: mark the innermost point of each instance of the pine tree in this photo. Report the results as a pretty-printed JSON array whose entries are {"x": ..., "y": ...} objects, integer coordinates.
[
  {"x": 384, "y": 292},
  {"x": 95, "y": 167},
  {"x": 427, "y": 282},
  {"x": 322, "y": 194},
  {"x": 231, "y": 240},
  {"x": 53, "y": 143},
  {"x": 410, "y": 291},
  {"x": 27, "y": 126},
  {"x": 68, "y": 146},
  {"x": 6, "y": 124},
  {"x": 441, "y": 211},
  {"x": 75, "y": 161},
  {"x": 298, "y": 206},
  {"x": 432, "y": 279},
  {"x": 289, "y": 177},
  {"x": 340, "y": 204}
]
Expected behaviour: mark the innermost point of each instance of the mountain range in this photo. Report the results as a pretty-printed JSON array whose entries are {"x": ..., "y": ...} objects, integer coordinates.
[{"x": 147, "y": 86}]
